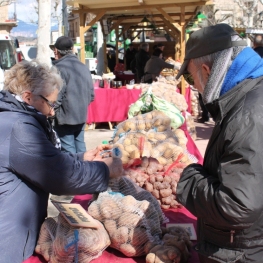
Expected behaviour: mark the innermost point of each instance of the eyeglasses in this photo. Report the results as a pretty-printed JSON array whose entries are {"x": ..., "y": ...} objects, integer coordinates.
[
  {"x": 189, "y": 78},
  {"x": 49, "y": 103}
]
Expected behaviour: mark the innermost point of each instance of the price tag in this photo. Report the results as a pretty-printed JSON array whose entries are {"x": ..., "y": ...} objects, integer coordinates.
[
  {"x": 76, "y": 215},
  {"x": 188, "y": 227}
]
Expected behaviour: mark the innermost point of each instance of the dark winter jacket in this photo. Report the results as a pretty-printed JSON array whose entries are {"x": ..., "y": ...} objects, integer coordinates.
[
  {"x": 259, "y": 50},
  {"x": 77, "y": 92},
  {"x": 31, "y": 168},
  {"x": 226, "y": 192},
  {"x": 154, "y": 66},
  {"x": 141, "y": 58}
]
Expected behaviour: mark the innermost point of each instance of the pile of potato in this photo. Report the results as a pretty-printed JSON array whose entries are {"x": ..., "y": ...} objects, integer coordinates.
[
  {"x": 156, "y": 120},
  {"x": 162, "y": 146},
  {"x": 161, "y": 181},
  {"x": 175, "y": 248},
  {"x": 168, "y": 92},
  {"x": 55, "y": 236},
  {"x": 132, "y": 225},
  {"x": 149, "y": 135}
]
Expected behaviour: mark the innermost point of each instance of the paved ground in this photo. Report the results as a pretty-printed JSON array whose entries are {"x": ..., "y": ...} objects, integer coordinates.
[{"x": 102, "y": 132}]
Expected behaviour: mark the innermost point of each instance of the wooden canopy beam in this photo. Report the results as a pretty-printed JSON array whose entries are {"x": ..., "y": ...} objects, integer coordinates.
[
  {"x": 136, "y": 7},
  {"x": 155, "y": 15},
  {"x": 82, "y": 18},
  {"x": 94, "y": 20}
]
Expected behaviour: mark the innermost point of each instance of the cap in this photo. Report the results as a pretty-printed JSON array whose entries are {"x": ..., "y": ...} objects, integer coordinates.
[
  {"x": 209, "y": 40},
  {"x": 63, "y": 43}
]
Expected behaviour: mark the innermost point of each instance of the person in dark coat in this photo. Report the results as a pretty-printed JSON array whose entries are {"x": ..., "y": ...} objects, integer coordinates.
[
  {"x": 31, "y": 163},
  {"x": 140, "y": 59},
  {"x": 225, "y": 193},
  {"x": 258, "y": 44},
  {"x": 130, "y": 56},
  {"x": 155, "y": 65},
  {"x": 74, "y": 98}
]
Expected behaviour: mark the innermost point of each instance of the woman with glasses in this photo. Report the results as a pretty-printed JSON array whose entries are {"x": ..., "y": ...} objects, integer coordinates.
[{"x": 31, "y": 163}]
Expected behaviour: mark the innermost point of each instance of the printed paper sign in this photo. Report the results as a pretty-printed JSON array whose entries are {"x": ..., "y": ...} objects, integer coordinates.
[
  {"x": 188, "y": 227},
  {"x": 76, "y": 215}
]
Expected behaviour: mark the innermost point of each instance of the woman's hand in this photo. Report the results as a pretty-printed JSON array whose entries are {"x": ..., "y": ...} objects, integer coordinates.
[
  {"x": 93, "y": 155},
  {"x": 114, "y": 165}
]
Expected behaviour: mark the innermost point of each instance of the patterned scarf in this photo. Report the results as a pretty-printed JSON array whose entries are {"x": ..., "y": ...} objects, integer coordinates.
[
  {"x": 219, "y": 70},
  {"x": 53, "y": 137}
]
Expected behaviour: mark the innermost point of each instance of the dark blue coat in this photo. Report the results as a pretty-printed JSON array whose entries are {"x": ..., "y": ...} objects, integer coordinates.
[{"x": 31, "y": 168}]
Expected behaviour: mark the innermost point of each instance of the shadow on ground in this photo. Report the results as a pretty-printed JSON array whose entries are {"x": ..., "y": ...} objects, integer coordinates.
[{"x": 204, "y": 130}]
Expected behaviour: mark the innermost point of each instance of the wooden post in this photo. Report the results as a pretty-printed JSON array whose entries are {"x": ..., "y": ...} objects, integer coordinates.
[{"x": 117, "y": 44}]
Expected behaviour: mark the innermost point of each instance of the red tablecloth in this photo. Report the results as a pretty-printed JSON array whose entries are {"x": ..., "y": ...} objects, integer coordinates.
[{"x": 111, "y": 105}]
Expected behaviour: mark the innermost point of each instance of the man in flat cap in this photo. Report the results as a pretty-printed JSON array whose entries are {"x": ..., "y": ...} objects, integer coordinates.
[
  {"x": 225, "y": 193},
  {"x": 74, "y": 98}
]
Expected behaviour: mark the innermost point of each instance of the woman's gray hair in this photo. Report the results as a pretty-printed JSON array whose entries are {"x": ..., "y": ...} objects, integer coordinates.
[{"x": 34, "y": 76}]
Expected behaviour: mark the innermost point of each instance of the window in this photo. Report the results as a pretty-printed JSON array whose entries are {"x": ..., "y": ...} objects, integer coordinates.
[{"x": 7, "y": 54}]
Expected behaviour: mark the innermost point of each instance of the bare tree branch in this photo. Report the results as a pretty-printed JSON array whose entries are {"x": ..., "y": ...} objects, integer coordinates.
[{"x": 6, "y": 2}]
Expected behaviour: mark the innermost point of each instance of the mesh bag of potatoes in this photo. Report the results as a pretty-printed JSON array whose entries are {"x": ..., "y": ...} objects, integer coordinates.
[
  {"x": 71, "y": 244},
  {"x": 130, "y": 223},
  {"x": 127, "y": 185},
  {"x": 142, "y": 123},
  {"x": 175, "y": 248},
  {"x": 158, "y": 180},
  {"x": 132, "y": 146},
  {"x": 168, "y": 92},
  {"x": 46, "y": 237}
]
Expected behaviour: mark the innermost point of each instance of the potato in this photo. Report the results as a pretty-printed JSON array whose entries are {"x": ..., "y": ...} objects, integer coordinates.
[
  {"x": 161, "y": 128},
  {"x": 135, "y": 154},
  {"x": 156, "y": 193},
  {"x": 162, "y": 160},
  {"x": 144, "y": 205},
  {"x": 121, "y": 235},
  {"x": 159, "y": 178},
  {"x": 165, "y": 207},
  {"x": 128, "y": 250},
  {"x": 129, "y": 219},
  {"x": 127, "y": 141},
  {"x": 165, "y": 193},
  {"x": 166, "y": 200},
  {"x": 128, "y": 202},
  {"x": 167, "y": 179},
  {"x": 129, "y": 125},
  {"x": 131, "y": 148},
  {"x": 109, "y": 210},
  {"x": 94, "y": 210},
  {"x": 149, "y": 187},
  {"x": 110, "y": 225}
]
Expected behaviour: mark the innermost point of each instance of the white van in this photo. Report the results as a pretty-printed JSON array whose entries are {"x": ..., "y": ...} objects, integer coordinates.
[{"x": 10, "y": 54}]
